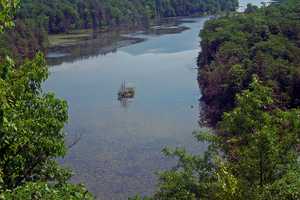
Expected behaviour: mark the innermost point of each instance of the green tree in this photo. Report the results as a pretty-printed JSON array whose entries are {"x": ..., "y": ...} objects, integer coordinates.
[
  {"x": 261, "y": 41},
  {"x": 252, "y": 155},
  {"x": 260, "y": 142},
  {"x": 251, "y": 8},
  {"x": 31, "y": 135},
  {"x": 7, "y": 11},
  {"x": 31, "y": 131},
  {"x": 36, "y": 18}
]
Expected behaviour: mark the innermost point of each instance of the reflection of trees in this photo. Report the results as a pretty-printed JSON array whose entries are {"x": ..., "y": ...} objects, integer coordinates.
[
  {"x": 98, "y": 44},
  {"x": 102, "y": 43}
]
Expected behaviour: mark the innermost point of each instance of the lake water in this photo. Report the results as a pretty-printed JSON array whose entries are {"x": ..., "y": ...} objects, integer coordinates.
[{"x": 119, "y": 143}]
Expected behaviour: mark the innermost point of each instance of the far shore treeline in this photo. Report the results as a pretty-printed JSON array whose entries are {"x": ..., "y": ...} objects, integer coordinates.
[{"x": 38, "y": 18}]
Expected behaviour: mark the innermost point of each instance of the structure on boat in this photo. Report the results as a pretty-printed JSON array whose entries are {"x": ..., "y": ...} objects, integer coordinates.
[{"x": 126, "y": 92}]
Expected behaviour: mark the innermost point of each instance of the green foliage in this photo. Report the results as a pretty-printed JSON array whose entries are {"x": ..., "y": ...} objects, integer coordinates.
[
  {"x": 285, "y": 188},
  {"x": 7, "y": 11},
  {"x": 260, "y": 142},
  {"x": 249, "y": 77},
  {"x": 261, "y": 41},
  {"x": 40, "y": 190},
  {"x": 31, "y": 135},
  {"x": 61, "y": 16},
  {"x": 31, "y": 130},
  {"x": 36, "y": 18},
  {"x": 253, "y": 155}
]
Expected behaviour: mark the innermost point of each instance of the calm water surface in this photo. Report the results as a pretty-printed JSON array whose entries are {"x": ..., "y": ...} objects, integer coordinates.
[{"x": 120, "y": 142}]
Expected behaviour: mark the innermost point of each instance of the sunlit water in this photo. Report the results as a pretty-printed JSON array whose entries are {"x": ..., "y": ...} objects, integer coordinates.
[
  {"x": 120, "y": 143},
  {"x": 120, "y": 146}
]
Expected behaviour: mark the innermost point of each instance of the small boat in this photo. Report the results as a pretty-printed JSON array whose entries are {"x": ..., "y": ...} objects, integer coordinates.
[{"x": 126, "y": 92}]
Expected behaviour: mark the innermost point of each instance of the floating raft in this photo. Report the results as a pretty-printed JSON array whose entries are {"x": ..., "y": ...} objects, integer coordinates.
[{"x": 126, "y": 92}]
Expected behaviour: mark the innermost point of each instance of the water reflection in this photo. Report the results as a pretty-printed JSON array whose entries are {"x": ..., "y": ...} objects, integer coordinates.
[
  {"x": 120, "y": 148},
  {"x": 171, "y": 43},
  {"x": 102, "y": 43},
  {"x": 125, "y": 102}
]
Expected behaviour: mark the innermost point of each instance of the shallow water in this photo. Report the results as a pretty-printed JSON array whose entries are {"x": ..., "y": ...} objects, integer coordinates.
[{"x": 120, "y": 143}]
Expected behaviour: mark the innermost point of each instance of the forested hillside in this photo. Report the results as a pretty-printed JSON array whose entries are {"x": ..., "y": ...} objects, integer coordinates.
[
  {"x": 265, "y": 42},
  {"x": 36, "y": 18},
  {"x": 61, "y": 16}
]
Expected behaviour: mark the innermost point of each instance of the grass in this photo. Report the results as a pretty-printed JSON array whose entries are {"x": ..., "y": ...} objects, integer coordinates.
[{"x": 70, "y": 38}]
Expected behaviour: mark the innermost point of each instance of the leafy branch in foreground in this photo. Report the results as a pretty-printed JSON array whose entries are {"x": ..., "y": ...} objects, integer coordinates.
[
  {"x": 7, "y": 10},
  {"x": 31, "y": 136},
  {"x": 31, "y": 130}
]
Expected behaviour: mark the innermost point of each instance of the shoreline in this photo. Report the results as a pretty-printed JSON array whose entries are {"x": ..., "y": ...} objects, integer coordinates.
[{"x": 85, "y": 43}]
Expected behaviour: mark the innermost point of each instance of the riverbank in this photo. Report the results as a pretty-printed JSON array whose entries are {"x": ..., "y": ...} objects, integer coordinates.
[
  {"x": 81, "y": 44},
  {"x": 73, "y": 37}
]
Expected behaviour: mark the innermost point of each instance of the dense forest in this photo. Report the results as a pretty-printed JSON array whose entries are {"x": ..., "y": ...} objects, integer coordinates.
[
  {"x": 264, "y": 42},
  {"x": 36, "y": 18},
  {"x": 61, "y": 16}
]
